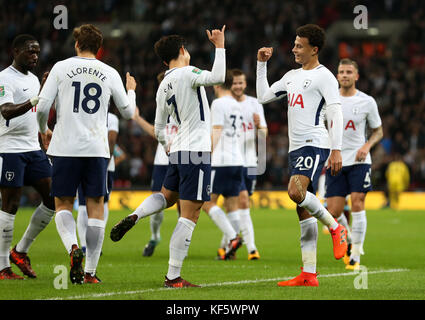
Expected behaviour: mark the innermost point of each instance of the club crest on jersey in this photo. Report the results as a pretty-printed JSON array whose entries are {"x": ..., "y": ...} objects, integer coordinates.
[
  {"x": 306, "y": 83},
  {"x": 9, "y": 175},
  {"x": 1, "y": 91},
  {"x": 197, "y": 71}
]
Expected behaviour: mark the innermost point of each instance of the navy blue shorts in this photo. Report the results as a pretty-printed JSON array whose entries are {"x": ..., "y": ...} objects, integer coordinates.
[
  {"x": 82, "y": 197},
  {"x": 189, "y": 174},
  {"x": 355, "y": 178},
  {"x": 70, "y": 172},
  {"x": 19, "y": 169},
  {"x": 308, "y": 161},
  {"x": 248, "y": 180},
  {"x": 158, "y": 176},
  {"x": 226, "y": 181}
]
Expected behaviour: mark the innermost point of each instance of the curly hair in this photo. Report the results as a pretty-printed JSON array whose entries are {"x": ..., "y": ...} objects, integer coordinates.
[{"x": 314, "y": 34}]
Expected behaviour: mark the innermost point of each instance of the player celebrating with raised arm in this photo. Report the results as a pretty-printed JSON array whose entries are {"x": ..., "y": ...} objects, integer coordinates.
[
  {"x": 312, "y": 93},
  {"x": 22, "y": 162},
  {"x": 181, "y": 94},
  {"x": 359, "y": 110},
  {"x": 82, "y": 87}
]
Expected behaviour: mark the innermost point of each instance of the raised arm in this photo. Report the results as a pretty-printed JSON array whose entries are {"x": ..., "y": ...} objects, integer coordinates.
[
  {"x": 146, "y": 126},
  {"x": 265, "y": 93},
  {"x": 218, "y": 71}
]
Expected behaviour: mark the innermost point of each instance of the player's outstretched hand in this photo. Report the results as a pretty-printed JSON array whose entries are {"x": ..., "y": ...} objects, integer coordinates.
[
  {"x": 264, "y": 54},
  {"x": 216, "y": 36},
  {"x": 130, "y": 82}
]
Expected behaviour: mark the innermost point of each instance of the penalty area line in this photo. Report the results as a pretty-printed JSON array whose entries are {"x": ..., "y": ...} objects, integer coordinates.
[{"x": 219, "y": 284}]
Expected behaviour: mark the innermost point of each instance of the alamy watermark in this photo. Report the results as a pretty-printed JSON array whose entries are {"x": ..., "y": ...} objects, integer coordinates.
[
  {"x": 360, "y": 281},
  {"x": 61, "y": 281},
  {"x": 361, "y": 20},
  {"x": 61, "y": 20}
]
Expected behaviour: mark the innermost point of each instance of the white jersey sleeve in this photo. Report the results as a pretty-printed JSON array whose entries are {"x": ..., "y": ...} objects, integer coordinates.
[
  {"x": 19, "y": 134},
  {"x": 113, "y": 125},
  {"x": 266, "y": 94},
  {"x": 217, "y": 74},
  {"x": 170, "y": 131}
]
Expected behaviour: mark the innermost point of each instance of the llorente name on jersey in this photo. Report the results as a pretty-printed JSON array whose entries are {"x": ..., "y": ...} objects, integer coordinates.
[{"x": 84, "y": 70}]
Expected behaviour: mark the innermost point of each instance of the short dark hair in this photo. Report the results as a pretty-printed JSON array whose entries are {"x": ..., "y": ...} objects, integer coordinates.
[
  {"x": 237, "y": 73},
  {"x": 21, "y": 39},
  {"x": 314, "y": 34},
  {"x": 228, "y": 81},
  {"x": 167, "y": 48},
  {"x": 350, "y": 62},
  {"x": 89, "y": 38}
]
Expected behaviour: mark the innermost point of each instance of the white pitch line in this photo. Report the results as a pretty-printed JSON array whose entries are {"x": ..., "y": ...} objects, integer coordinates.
[{"x": 118, "y": 293}]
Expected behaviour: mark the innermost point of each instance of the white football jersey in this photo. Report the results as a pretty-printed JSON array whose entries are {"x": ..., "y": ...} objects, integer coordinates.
[
  {"x": 82, "y": 88},
  {"x": 226, "y": 112},
  {"x": 170, "y": 132},
  {"x": 19, "y": 134},
  {"x": 360, "y": 112},
  {"x": 113, "y": 125},
  {"x": 181, "y": 94},
  {"x": 308, "y": 93},
  {"x": 249, "y": 106}
]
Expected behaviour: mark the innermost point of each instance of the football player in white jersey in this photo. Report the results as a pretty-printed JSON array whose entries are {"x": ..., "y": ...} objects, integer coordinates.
[
  {"x": 254, "y": 125},
  {"x": 82, "y": 87},
  {"x": 312, "y": 93},
  {"x": 226, "y": 167},
  {"x": 22, "y": 162},
  {"x": 182, "y": 95},
  {"x": 360, "y": 112},
  {"x": 160, "y": 166},
  {"x": 82, "y": 218}
]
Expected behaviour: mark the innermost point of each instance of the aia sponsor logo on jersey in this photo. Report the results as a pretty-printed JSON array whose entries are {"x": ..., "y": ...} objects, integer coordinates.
[
  {"x": 350, "y": 125},
  {"x": 294, "y": 99}
]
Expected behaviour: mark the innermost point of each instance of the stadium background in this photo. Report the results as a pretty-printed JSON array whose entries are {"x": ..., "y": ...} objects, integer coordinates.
[{"x": 390, "y": 54}]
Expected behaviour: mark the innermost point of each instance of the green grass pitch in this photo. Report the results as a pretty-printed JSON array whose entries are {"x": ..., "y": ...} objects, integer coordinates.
[{"x": 394, "y": 260}]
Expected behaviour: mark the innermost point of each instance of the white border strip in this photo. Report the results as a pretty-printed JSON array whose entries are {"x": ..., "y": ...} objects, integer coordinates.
[{"x": 229, "y": 283}]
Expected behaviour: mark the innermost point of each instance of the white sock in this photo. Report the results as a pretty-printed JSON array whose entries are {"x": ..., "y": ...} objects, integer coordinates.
[
  {"x": 309, "y": 244},
  {"x": 224, "y": 241},
  {"x": 153, "y": 204},
  {"x": 247, "y": 229},
  {"x": 358, "y": 234},
  {"x": 234, "y": 219},
  {"x": 317, "y": 210},
  {"x": 94, "y": 238},
  {"x": 179, "y": 246},
  {"x": 82, "y": 220},
  {"x": 222, "y": 222},
  {"x": 105, "y": 212},
  {"x": 342, "y": 219},
  {"x": 39, "y": 220},
  {"x": 7, "y": 221},
  {"x": 65, "y": 224},
  {"x": 155, "y": 223}
]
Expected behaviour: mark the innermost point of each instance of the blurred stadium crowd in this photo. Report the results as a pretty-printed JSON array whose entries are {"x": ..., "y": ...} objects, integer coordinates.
[{"x": 394, "y": 76}]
